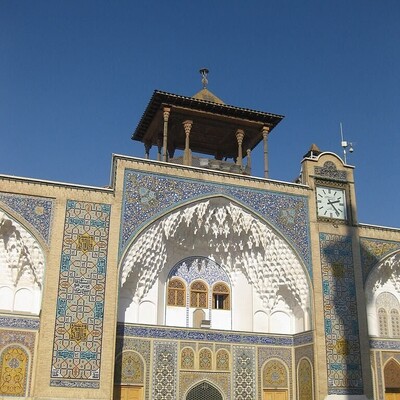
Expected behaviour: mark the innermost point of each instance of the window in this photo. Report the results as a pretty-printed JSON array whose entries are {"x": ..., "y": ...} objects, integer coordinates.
[
  {"x": 176, "y": 293},
  {"x": 383, "y": 322},
  {"x": 198, "y": 295},
  {"x": 395, "y": 317},
  {"x": 221, "y": 297}
]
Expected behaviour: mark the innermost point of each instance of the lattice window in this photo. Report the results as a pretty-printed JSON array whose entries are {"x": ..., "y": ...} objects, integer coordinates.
[
  {"x": 176, "y": 293},
  {"x": 395, "y": 320},
  {"x": 204, "y": 391},
  {"x": 205, "y": 359},
  {"x": 383, "y": 322},
  {"x": 198, "y": 295},
  {"x": 222, "y": 360},
  {"x": 221, "y": 294},
  {"x": 187, "y": 358}
]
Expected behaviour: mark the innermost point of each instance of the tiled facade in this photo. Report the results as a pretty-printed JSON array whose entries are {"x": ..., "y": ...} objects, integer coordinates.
[{"x": 78, "y": 346}]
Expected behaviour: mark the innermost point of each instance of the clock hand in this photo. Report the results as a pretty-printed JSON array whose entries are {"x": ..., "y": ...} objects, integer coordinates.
[{"x": 332, "y": 204}]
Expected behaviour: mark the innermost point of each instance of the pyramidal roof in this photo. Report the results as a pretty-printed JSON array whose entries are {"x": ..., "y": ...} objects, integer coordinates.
[{"x": 206, "y": 95}]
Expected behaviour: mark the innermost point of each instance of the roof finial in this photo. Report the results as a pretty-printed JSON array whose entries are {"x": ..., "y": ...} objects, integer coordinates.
[{"x": 204, "y": 80}]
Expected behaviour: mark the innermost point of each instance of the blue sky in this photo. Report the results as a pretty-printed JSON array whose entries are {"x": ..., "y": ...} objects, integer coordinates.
[{"x": 76, "y": 77}]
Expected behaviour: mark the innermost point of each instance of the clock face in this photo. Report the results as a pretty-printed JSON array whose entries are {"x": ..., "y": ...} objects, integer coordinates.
[{"x": 331, "y": 202}]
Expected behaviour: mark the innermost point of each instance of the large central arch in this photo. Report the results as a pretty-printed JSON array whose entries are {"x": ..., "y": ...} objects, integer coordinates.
[{"x": 256, "y": 258}]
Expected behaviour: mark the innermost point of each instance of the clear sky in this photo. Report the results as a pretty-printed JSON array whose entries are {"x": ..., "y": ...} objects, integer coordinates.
[{"x": 76, "y": 77}]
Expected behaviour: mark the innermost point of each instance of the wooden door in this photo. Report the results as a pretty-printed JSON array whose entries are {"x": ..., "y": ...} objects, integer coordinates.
[
  {"x": 392, "y": 396},
  {"x": 275, "y": 395},
  {"x": 128, "y": 393}
]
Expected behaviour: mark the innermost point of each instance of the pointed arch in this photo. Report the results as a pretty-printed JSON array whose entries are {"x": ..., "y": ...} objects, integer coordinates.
[
  {"x": 305, "y": 380},
  {"x": 275, "y": 374},
  {"x": 130, "y": 368},
  {"x": 204, "y": 390},
  {"x": 391, "y": 372},
  {"x": 22, "y": 265},
  {"x": 238, "y": 240}
]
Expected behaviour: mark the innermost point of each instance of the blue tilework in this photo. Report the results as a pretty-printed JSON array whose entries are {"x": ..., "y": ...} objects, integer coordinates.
[
  {"x": 147, "y": 196},
  {"x": 38, "y": 211},
  {"x": 384, "y": 344},
  {"x": 81, "y": 291},
  {"x": 374, "y": 250},
  {"x": 340, "y": 313},
  {"x": 19, "y": 323},
  {"x": 211, "y": 335}
]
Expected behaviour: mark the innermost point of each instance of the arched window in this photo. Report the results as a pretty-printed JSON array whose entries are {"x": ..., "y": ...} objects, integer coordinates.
[
  {"x": 395, "y": 322},
  {"x": 176, "y": 293},
  {"x": 221, "y": 300},
  {"x": 198, "y": 295},
  {"x": 383, "y": 322}
]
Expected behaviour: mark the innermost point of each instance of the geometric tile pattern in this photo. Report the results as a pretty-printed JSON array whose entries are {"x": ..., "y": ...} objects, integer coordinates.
[
  {"x": 244, "y": 373},
  {"x": 81, "y": 290},
  {"x": 38, "y": 211},
  {"x": 372, "y": 251},
  {"x": 165, "y": 361},
  {"x": 147, "y": 196},
  {"x": 340, "y": 314}
]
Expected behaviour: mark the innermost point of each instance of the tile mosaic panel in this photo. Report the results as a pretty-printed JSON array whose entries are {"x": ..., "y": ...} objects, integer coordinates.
[
  {"x": 142, "y": 347},
  {"x": 38, "y": 211},
  {"x": 244, "y": 373},
  {"x": 340, "y": 314},
  {"x": 22, "y": 366},
  {"x": 305, "y": 380},
  {"x": 19, "y": 323},
  {"x": 147, "y": 196},
  {"x": 379, "y": 374},
  {"x": 81, "y": 290},
  {"x": 266, "y": 353},
  {"x": 189, "y": 379},
  {"x": 383, "y": 344},
  {"x": 165, "y": 378},
  {"x": 204, "y": 336},
  {"x": 372, "y": 251},
  {"x": 14, "y": 361}
]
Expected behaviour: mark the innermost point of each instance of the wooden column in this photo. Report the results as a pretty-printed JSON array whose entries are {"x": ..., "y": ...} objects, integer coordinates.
[
  {"x": 239, "y": 137},
  {"x": 166, "y": 113},
  {"x": 187, "y": 157},
  {"x": 265, "y": 131}
]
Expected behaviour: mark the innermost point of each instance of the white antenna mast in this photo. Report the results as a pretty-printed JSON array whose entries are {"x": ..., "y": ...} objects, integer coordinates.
[{"x": 345, "y": 144}]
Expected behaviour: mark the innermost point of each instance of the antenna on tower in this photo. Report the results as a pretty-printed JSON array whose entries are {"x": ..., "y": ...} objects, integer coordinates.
[{"x": 345, "y": 144}]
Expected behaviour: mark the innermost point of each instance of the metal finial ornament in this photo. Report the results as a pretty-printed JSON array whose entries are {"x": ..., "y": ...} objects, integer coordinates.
[{"x": 204, "y": 80}]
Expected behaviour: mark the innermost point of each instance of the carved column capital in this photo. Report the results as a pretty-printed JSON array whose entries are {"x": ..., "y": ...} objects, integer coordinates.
[
  {"x": 265, "y": 131},
  {"x": 166, "y": 112}
]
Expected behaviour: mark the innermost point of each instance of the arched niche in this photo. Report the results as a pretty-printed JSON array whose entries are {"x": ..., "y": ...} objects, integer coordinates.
[
  {"x": 382, "y": 291},
  {"x": 204, "y": 390},
  {"x": 265, "y": 273},
  {"x": 22, "y": 263}
]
